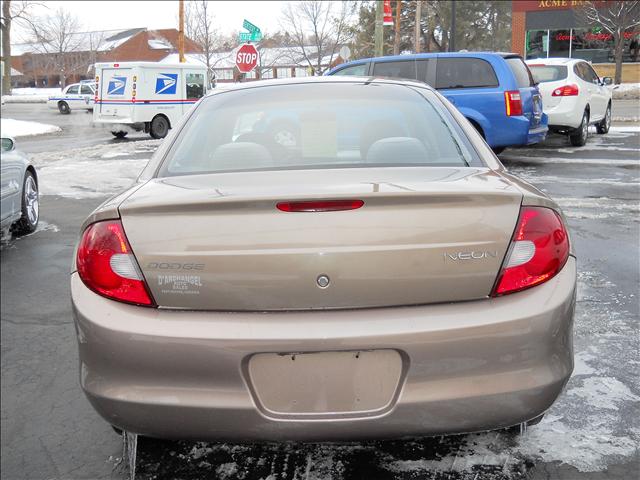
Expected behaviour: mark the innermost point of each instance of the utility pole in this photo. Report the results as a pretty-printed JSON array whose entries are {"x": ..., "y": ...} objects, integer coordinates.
[
  {"x": 416, "y": 39},
  {"x": 6, "y": 47},
  {"x": 396, "y": 40},
  {"x": 452, "y": 34},
  {"x": 378, "y": 45},
  {"x": 181, "y": 30}
]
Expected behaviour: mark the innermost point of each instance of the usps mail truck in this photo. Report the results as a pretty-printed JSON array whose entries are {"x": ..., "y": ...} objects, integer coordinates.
[{"x": 146, "y": 96}]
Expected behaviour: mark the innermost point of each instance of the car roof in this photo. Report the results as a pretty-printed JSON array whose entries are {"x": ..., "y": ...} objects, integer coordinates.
[
  {"x": 390, "y": 58},
  {"x": 553, "y": 61},
  {"x": 321, "y": 80},
  {"x": 82, "y": 82}
]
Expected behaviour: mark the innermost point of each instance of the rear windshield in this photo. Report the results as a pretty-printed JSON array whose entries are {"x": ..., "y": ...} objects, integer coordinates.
[
  {"x": 327, "y": 125},
  {"x": 464, "y": 72},
  {"x": 520, "y": 71},
  {"x": 548, "y": 73}
]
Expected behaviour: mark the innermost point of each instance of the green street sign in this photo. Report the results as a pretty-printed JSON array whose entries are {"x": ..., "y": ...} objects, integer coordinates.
[
  {"x": 254, "y": 34},
  {"x": 249, "y": 37},
  {"x": 250, "y": 26}
]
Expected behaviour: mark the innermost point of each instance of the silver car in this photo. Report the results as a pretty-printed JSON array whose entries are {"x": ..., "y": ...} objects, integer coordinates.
[{"x": 20, "y": 201}]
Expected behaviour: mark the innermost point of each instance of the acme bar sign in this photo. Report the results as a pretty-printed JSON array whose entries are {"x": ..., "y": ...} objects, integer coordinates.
[{"x": 536, "y": 5}]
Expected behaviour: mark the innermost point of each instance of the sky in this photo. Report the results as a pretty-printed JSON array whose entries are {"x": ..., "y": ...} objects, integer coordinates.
[{"x": 121, "y": 14}]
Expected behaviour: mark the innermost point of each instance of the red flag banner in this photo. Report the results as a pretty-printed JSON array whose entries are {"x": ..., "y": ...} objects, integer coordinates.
[{"x": 388, "y": 16}]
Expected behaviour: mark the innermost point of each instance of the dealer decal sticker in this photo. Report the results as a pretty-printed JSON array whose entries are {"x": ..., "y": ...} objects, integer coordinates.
[{"x": 180, "y": 284}]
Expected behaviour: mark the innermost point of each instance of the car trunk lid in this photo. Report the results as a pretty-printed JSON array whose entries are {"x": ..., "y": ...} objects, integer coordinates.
[{"x": 423, "y": 235}]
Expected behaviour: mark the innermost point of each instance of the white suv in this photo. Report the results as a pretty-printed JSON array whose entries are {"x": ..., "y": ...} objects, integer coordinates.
[{"x": 573, "y": 96}]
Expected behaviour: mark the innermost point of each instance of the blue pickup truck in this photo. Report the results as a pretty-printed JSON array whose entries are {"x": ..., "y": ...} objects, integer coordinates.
[{"x": 495, "y": 91}]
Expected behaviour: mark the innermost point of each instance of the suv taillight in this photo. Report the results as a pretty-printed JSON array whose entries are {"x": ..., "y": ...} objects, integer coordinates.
[
  {"x": 566, "y": 91},
  {"x": 107, "y": 265},
  {"x": 538, "y": 251},
  {"x": 513, "y": 103}
]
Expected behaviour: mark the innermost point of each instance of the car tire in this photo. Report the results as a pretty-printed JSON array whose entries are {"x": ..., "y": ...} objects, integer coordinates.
[
  {"x": 30, "y": 206},
  {"x": 120, "y": 134},
  {"x": 498, "y": 150},
  {"x": 579, "y": 138},
  {"x": 603, "y": 126},
  {"x": 64, "y": 108},
  {"x": 159, "y": 127}
]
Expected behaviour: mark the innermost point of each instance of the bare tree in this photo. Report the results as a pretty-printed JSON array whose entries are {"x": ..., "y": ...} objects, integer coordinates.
[
  {"x": 199, "y": 27},
  {"x": 317, "y": 29},
  {"x": 616, "y": 17},
  {"x": 57, "y": 35},
  {"x": 12, "y": 12}
]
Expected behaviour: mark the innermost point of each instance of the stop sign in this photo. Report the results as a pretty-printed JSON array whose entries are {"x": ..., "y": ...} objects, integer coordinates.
[{"x": 246, "y": 58}]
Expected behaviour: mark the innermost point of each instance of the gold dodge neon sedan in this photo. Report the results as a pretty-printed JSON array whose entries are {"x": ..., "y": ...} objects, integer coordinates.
[{"x": 324, "y": 259}]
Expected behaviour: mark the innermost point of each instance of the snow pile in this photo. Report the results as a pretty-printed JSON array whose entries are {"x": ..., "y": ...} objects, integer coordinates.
[
  {"x": 35, "y": 91},
  {"x": 19, "y": 128},
  {"x": 626, "y": 91},
  {"x": 30, "y": 95},
  {"x": 91, "y": 172}
]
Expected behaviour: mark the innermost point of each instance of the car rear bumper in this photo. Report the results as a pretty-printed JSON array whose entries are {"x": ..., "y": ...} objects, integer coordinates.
[
  {"x": 518, "y": 132},
  {"x": 567, "y": 113},
  {"x": 465, "y": 367}
]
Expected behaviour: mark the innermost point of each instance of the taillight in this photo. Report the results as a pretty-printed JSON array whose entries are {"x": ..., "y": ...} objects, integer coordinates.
[
  {"x": 538, "y": 251},
  {"x": 320, "y": 206},
  {"x": 566, "y": 91},
  {"x": 513, "y": 103},
  {"x": 107, "y": 265}
]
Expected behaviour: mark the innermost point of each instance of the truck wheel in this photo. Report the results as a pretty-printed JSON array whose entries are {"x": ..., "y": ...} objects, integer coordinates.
[
  {"x": 120, "y": 134},
  {"x": 579, "y": 138},
  {"x": 64, "y": 108},
  {"x": 159, "y": 127},
  {"x": 603, "y": 126}
]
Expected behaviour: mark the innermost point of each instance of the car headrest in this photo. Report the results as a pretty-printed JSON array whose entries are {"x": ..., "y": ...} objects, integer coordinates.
[
  {"x": 397, "y": 149},
  {"x": 240, "y": 156},
  {"x": 376, "y": 130}
]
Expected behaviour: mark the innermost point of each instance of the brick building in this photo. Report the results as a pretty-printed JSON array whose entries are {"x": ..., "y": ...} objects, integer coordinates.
[
  {"x": 39, "y": 65},
  {"x": 552, "y": 28}
]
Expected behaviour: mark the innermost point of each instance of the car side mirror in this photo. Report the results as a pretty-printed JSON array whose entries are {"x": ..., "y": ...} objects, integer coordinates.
[
  {"x": 607, "y": 81},
  {"x": 7, "y": 144}
]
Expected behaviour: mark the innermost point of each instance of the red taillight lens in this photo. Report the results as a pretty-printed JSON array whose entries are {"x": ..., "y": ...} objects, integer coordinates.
[
  {"x": 320, "y": 206},
  {"x": 566, "y": 91},
  {"x": 538, "y": 251},
  {"x": 513, "y": 103},
  {"x": 107, "y": 266}
]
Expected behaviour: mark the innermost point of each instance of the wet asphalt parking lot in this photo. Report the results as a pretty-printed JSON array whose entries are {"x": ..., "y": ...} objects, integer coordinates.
[{"x": 49, "y": 430}]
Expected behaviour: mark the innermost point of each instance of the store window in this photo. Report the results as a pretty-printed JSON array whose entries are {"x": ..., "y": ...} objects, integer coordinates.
[
  {"x": 593, "y": 44},
  {"x": 560, "y": 43},
  {"x": 537, "y": 44}
]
